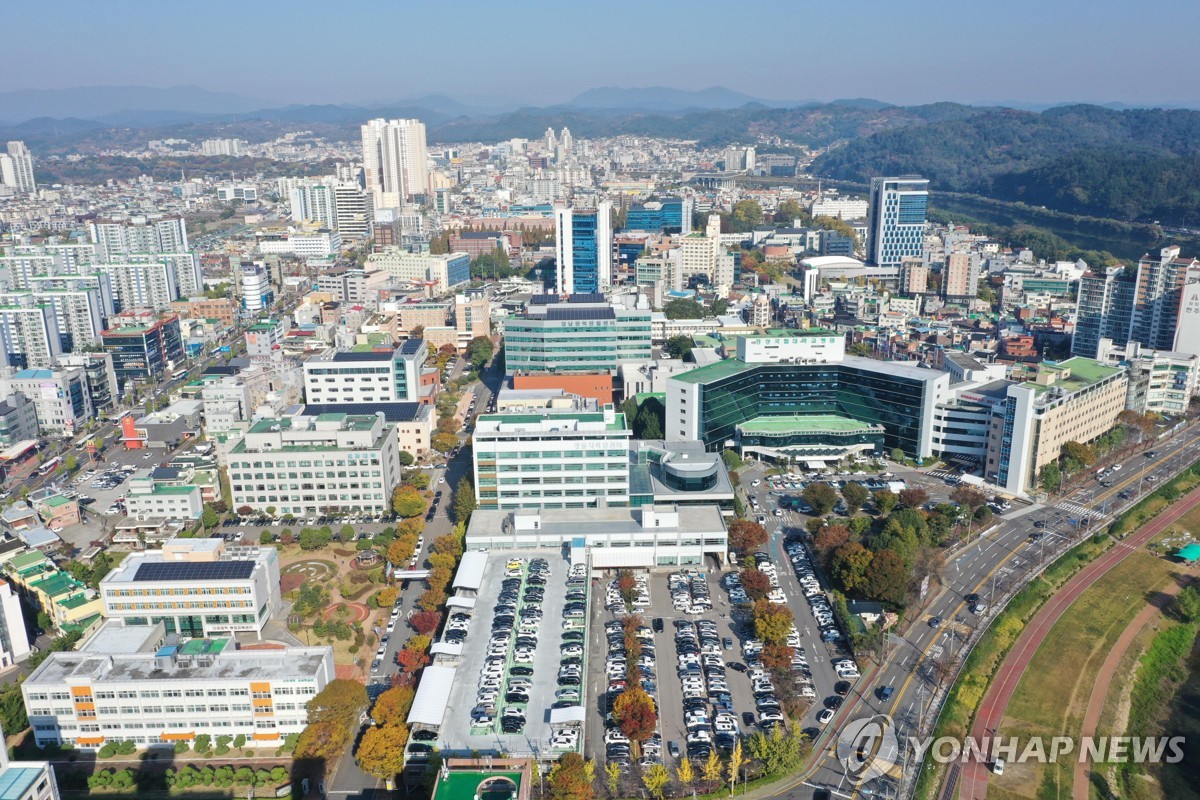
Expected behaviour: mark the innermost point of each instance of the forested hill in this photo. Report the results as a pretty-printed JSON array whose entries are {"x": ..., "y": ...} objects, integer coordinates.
[{"x": 1140, "y": 164}]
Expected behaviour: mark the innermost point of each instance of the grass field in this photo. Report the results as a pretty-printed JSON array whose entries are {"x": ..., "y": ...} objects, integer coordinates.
[{"x": 1053, "y": 694}]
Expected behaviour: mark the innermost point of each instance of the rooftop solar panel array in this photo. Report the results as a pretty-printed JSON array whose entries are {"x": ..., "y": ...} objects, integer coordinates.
[
  {"x": 568, "y": 313},
  {"x": 392, "y": 412},
  {"x": 411, "y": 346},
  {"x": 543, "y": 299},
  {"x": 592, "y": 297},
  {"x": 194, "y": 571},
  {"x": 366, "y": 355}
]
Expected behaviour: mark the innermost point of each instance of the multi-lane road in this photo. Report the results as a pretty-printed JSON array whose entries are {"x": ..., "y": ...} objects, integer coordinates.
[{"x": 991, "y": 566}]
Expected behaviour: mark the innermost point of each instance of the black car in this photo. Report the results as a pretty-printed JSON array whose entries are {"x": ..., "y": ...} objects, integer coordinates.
[
  {"x": 419, "y": 747},
  {"x": 833, "y": 702},
  {"x": 658, "y": 624},
  {"x": 516, "y": 697},
  {"x": 425, "y": 736},
  {"x": 737, "y": 666},
  {"x": 972, "y": 598},
  {"x": 569, "y": 680},
  {"x": 522, "y": 671},
  {"x": 748, "y": 718}
]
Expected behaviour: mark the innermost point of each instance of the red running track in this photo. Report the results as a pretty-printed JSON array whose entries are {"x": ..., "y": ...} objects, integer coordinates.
[{"x": 1004, "y": 684}]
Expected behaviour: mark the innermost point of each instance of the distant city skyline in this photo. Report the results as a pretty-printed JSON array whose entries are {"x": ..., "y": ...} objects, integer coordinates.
[{"x": 543, "y": 53}]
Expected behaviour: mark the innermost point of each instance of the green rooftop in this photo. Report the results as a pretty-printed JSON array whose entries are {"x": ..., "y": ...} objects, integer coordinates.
[
  {"x": 462, "y": 785},
  {"x": 713, "y": 372},
  {"x": 159, "y": 489},
  {"x": 26, "y": 560},
  {"x": 794, "y": 332},
  {"x": 1083, "y": 373},
  {"x": 617, "y": 424},
  {"x": 805, "y": 423},
  {"x": 57, "y": 500},
  {"x": 196, "y": 647}
]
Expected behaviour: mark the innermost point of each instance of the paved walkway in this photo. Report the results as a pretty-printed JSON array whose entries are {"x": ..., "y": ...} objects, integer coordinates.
[
  {"x": 1091, "y": 717},
  {"x": 995, "y": 703}
]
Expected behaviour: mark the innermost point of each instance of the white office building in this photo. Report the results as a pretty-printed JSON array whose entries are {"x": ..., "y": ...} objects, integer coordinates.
[
  {"x": 443, "y": 273},
  {"x": 16, "y": 168},
  {"x": 366, "y": 376},
  {"x": 395, "y": 161},
  {"x": 840, "y": 208},
  {"x": 305, "y": 465},
  {"x": 14, "y": 641},
  {"x": 897, "y": 220}
]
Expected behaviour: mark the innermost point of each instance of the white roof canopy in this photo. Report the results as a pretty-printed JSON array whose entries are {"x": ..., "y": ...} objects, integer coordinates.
[{"x": 429, "y": 706}]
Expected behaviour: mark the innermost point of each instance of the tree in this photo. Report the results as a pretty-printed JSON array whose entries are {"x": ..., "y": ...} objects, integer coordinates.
[
  {"x": 756, "y": 583},
  {"x": 886, "y": 578},
  {"x": 387, "y": 596},
  {"x": 772, "y": 621},
  {"x": 684, "y": 772},
  {"x": 735, "y": 765},
  {"x": 789, "y": 211},
  {"x": 821, "y": 496},
  {"x": 850, "y": 562},
  {"x": 401, "y": 550},
  {"x": 12, "y": 709},
  {"x": 392, "y": 706},
  {"x": 855, "y": 495},
  {"x": 650, "y": 419},
  {"x": 914, "y": 497},
  {"x": 837, "y": 225},
  {"x": 464, "y": 500},
  {"x": 732, "y": 460},
  {"x": 747, "y": 215},
  {"x": 746, "y": 536},
  {"x": 407, "y": 501},
  {"x": 381, "y": 750},
  {"x": 968, "y": 497},
  {"x": 447, "y": 425},
  {"x": 680, "y": 346},
  {"x": 1051, "y": 477},
  {"x": 885, "y": 501},
  {"x": 322, "y": 741},
  {"x": 831, "y": 537},
  {"x": 347, "y": 532},
  {"x": 634, "y": 713},
  {"x": 684, "y": 308},
  {"x": 418, "y": 480},
  {"x": 612, "y": 777},
  {"x": 897, "y": 455},
  {"x": 406, "y": 458},
  {"x": 479, "y": 351},
  {"x": 339, "y": 702},
  {"x": 1080, "y": 453},
  {"x": 1186, "y": 606},
  {"x": 863, "y": 350},
  {"x": 209, "y": 518},
  {"x": 425, "y": 622},
  {"x": 572, "y": 778},
  {"x": 443, "y": 442},
  {"x": 712, "y": 768},
  {"x": 655, "y": 779}
]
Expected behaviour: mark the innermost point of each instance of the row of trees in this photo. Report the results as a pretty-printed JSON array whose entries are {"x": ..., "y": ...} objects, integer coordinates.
[
  {"x": 381, "y": 751},
  {"x": 332, "y": 716},
  {"x": 1077, "y": 457}
]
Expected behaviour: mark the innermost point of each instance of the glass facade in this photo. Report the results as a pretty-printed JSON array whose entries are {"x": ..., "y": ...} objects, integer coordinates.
[
  {"x": 583, "y": 251},
  {"x": 787, "y": 389}
]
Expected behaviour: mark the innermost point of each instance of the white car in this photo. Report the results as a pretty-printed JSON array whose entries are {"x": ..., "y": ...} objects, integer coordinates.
[{"x": 825, "y": 716}]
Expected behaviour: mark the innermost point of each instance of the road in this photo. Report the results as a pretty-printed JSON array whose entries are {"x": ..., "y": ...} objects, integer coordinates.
[
  {"x": 990, "y": 566},
  {"x": 1004, "y": 683}
]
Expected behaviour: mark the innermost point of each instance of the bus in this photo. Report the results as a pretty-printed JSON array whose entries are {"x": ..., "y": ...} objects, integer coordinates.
[{"x": 49, "y": 466}]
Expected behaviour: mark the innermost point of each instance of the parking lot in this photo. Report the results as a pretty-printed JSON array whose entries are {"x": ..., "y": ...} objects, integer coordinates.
[{"x": 522, "y": 659}]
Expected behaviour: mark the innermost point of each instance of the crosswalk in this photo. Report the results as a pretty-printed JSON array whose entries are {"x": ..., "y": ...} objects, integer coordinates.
[
  {"x": 941, "y": 473},
  {"x": 1080, "y": 511}
]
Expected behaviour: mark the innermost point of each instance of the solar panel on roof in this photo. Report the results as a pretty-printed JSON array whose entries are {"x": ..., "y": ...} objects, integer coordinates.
[
  {"x": 543, "y": 299},
  {"x": 367, "y": 355},
  {"x": 592, "y": 297},
  {"x": 392, "y": 412},
  {"x": 568, "y": 313},
  {"x": 194, "y": 571},
  {"x": 411, "y": 346}
]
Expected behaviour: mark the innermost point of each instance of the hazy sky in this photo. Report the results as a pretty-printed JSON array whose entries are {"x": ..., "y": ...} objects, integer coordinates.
[{"x": 902, "y": 51}]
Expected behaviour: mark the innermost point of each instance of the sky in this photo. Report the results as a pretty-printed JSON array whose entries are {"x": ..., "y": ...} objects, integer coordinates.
[{"x": 540, "y": 53}]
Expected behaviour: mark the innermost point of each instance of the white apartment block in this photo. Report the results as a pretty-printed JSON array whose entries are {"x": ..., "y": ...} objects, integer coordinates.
[
  {"x": 195, "y": 587},
  {"x": 308, "y": 465},
  {"x": 320, "y": 243},
  {"x": 443, "y": 272},
  {"x": 16, "y": 168},
  {"x": 840, "y": 208},
  {"x": 79, "y": 314},
  {"x": 116, "y": 239},
  {"x": 147, "y": 689},
  {"x": 149, "y": 285},
  {"x": 221, "y": 147},
  {"x": 552, "y": 459},
  {"x": 14, "y": 641},
  {"x": 29, "y": 336},
  {"x": 395, "y": 160}
]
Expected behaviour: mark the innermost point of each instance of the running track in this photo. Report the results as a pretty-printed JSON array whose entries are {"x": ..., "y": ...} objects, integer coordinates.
[{"x": 1004, "y": 684}]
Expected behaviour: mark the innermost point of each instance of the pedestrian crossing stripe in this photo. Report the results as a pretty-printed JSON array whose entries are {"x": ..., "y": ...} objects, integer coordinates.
[{"x": 1083, "y": 511}]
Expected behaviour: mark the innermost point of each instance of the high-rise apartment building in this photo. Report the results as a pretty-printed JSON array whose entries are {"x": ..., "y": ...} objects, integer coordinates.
[
  {"x": 221, "y": 147},
  {"x": 79, "y": 314},
  {"x": 395, "y": 162},
  {"x": 961, "y": 279},
  {"x": 29, "y": 334},
  {"x": 353, "y": 211},
  {"x": 1158, "y": 298},
  {"x": 140, "y": 235},
  {"x": 313, "y": 202},
  {"x": 16, "y": 168},
  {"x": 897, "y": 219},
  {"x": 583, "y": 248},
  {"x": 914, "y": 277},
  {"x": 1104, "y": 304}
]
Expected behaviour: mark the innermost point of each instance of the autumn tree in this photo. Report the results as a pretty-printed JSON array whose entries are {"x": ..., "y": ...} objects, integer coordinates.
[
  {"x": 443, "y": 442},
  {"x": 855, "y": 495},
  {"x": 393, "y": 705},
  {"x": 572, "y": 778},
  {"x": 885, "y": 501},
  {"x": 684, "y": 772},
  {"x": 968, "y": 497},
  {"x": 772, "y": 621},
  {"x": 387, "y": 596},
  {"x": 821, "y": 496},
  {"x": 425, "y": 622},
  {"x": 756, "y": 583},
  {"x": 746, "y": 536},
  {"x": 464, "y": 500},
  {"x": 634, "y": 713},
  {"x": 381, "y": 751},
  {"x": 831, "y": 537},
  {"x": 655, "y": 779},
  {"x": 886, "y": 578},
  {"x": 340, "y": 702},
  {"x": 1079, "y": 453},
  {"x": 914, "y": 497},
  {"x": 850, "y": 562},
  {"x": 407, "y": 501},
  {"x": 734, "y": 766},
  {"x": 712, "y": 768}
]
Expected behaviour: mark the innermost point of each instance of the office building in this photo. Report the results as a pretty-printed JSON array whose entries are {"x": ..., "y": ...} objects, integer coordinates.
[
  {"x": 299, "y": 242},
  {"x": 221, "y": 309},
  {"x": 1075, "y": 400},
  {"x": 1158, "y": 298},
  {"x": 143, "y": 348},
  {"x": 412, "y": 422},
  {"x": 195, "y": 587},
  {"x": 897, "y": 220},
  {"x": 60, "y": 397},
  {"x": 583, "y": 249},
  {"x": 257, "y": 294},
  {"x": 814, "y": 407},
  {"x": 840, "y": 208},
  {"x": 472, "y": 317},
  {"x": 27, "y": 780},
  {"x": 116, "y": 239},
  {"x": 648, "y": 537},
  {"x": 99, "y": 375},
  {"x": 304, "y": 465},
  {"x": 367, "y": 375},
  {"x": 16, "y": 168},
  {"x": 442, "y": 273},
  {"x": 264, "y": 337},
  {"x": 237, "y": 193},
  {"x": 552, "y": 459},
  {"x": 699, "y": 254},
  {"x": 1104, "y": 303},
  {"x": 150, "y": 499},
  {"x": 395, "y": 163},
  {"x": 672, "y": 215},
  {"x": 29, "y": 333},
  {"x": 18, "y": 420},
  {"x": 960, "y": 283},
  {"x": 584, "y": 334},
  {"x": 138, "y": 684}
]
